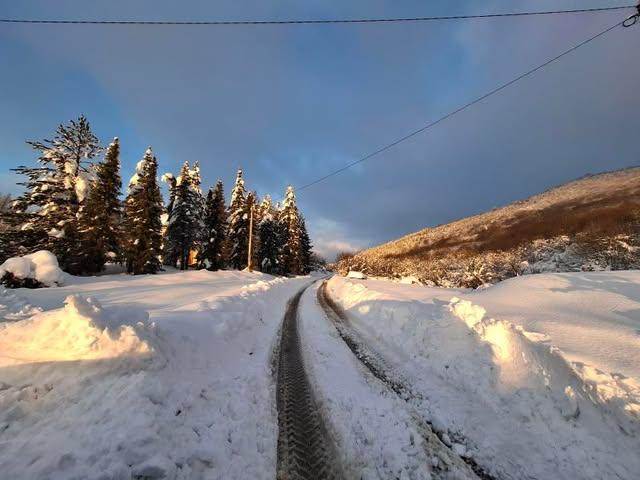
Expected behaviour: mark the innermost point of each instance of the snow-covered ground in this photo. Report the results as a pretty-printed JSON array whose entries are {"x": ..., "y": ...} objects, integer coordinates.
[
  {"x": 169, "y": 376},
  {"x": 536, "y": 376},
  {"x": 152, "y": 376},
  {"x": 374, "y": 432}
]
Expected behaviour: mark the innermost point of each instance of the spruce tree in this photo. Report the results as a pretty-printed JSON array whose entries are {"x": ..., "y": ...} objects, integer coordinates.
[
  {"x": 251, "y": 208},
  {"x": 184, "y": 226},
  {"x": 197, "y": 210},
  {"x": 305, "y": 247},
  {"x": 215, "y": 229},
  {"x": 238, "y": 232},
  {"x": 290, "y": 218},
  {"x": 269, "y": 248},
  {"x": 168, "y": 254},
  {"x": 47, "y": 214},
  {"x": 143, "y": 210},
  {"x": 100, "y": 222}
]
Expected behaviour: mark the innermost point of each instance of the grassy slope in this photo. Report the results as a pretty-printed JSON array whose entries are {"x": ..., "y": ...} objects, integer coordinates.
[{"x": 603, "y": 204}]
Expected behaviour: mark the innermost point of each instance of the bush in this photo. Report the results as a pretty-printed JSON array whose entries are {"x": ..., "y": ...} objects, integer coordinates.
[{"x": 9, "y": 280}]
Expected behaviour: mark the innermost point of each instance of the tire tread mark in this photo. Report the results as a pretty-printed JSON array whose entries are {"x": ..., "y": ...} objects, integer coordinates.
[
  {"x": 305, "y": 451},
  {"x": 380, "y": 369}
]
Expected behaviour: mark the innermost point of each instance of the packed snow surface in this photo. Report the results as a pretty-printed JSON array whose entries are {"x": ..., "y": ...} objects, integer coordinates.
[
  {"x": 155, "y": 376},
  {"x": 41, "y": 266},
  {"x": 536, "y": 377}
]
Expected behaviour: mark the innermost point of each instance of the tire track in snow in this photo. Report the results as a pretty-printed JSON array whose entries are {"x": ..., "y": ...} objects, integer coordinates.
[
  {"x": 305, "y": 451},
  {"x": 380, "y": 369}
]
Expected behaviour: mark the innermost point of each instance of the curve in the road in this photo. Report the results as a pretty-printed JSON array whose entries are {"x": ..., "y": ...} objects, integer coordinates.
[{"x": 305, "y": 451}]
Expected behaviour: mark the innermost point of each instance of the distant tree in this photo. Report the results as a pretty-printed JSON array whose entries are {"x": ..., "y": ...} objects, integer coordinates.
[
  {"x": 215, "y": 229},
  {"x": 143, "y": 210},
  {"x": 47, "y": 214},
  {"x": 100, "y": 224},
  {"x": 343, "y": 256},
  {"x": 318, "y": 262},
  {"x": 238, "y": 232}
]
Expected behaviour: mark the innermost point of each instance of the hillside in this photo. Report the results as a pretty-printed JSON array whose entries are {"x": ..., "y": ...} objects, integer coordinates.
[{"x": 589, "y": 224}]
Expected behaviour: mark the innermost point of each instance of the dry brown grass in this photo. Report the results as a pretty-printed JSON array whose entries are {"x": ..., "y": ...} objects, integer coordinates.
[{"x": 602, "y": 205}]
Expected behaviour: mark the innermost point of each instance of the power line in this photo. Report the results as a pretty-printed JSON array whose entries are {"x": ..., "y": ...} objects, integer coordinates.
[
  {"x": 310, "y": 22},
  {"x": 460, "y": 109}
]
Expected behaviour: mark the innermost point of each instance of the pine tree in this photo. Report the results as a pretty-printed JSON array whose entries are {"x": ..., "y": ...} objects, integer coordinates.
[
  {"x": 269, "y": 248},
  {"x": 251, "y": 209},
  {"x": 290, "y": 218},
  {"x": 100, "y": 222},
  {"x": 168, "y": 254},
  {"x": 305, "y": 247},
  {"x": 185, "y": 225},
  {"x": 143, "y": 210},
  {"x": 215, "y": 229},
  {"x": 47, "y": 214},
  {"x": 198, "y": 210},
  {"x": 238, "y": 232}
]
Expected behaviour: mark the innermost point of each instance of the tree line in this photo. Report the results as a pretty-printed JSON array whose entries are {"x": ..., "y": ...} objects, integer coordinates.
[{"x": 72, "y": 206}]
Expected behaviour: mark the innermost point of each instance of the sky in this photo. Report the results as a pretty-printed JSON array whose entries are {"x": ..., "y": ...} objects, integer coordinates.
[{"x": 290, "y": 104}]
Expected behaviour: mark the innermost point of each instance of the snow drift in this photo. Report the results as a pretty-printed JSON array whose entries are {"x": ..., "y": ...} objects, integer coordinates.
[
  {"x": 82, "y": 330},
  {"x": 520, "y": 406},
  {"x": 41, "y": 266},
  {"x": 189, "y": 396}
]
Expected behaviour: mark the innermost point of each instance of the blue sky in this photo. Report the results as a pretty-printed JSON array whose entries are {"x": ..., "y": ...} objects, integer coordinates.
[{"x": 290, "y": 104}]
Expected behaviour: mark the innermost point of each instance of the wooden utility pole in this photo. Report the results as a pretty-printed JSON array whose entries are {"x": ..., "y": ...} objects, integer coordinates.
[{"x": 250, "y": 253}]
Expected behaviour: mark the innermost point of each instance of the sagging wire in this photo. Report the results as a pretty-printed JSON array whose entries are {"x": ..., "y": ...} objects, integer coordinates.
[{"x": 633, "y": 19}]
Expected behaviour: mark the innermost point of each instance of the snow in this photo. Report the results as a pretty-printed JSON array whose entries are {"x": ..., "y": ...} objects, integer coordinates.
[
  {"x": 536, "y": 377},
  {"x": 82, "y": 330},
  {"x": 375, "y": 433},
  {"x": 358, "y": 275},
  {"x": 153, "y": 376},
  {"x": 41, "y": 266},
  {"x": 170, "y": 376}
]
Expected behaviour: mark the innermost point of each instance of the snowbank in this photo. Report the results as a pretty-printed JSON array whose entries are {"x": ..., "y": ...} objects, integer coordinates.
[
  {"x": 189, "y": 398},
  {"x": 357, "y": 275},
  {"x": 529, "y": 360},
  {"x": 41, "y": 266},
  {"x": 519, "y": 406},
  {"x": 82, "y": 330}
]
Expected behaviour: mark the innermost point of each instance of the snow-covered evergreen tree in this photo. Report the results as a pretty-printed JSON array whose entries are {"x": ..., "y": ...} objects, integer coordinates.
[
  {"x": 170, "y": 180},
  {"x": 269, "y": 248},
  {"x": 185, "y": 222},
  {"x": 290, "y": 218},
  {"x": 143, "y": 210},
  {"x": 305, "y": 247},
  {"x": 252, "y": 210},
  {"x": 46, "y": 215},
  {"x": 101, "y": 216},
  {"x": 238, "y": 231},
  {"x": 215, "y": 229},
  {"x": 198, "y": 209}
]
